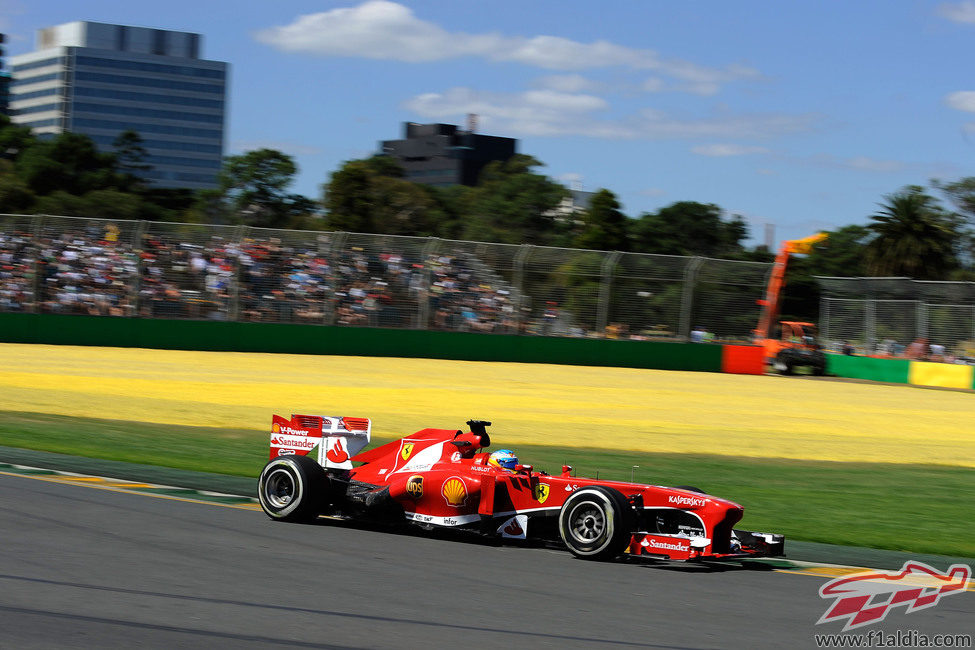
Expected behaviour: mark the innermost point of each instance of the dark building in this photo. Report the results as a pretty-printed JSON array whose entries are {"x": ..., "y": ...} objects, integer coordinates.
[
  {"x": 4, "y": 82},
  {"x": 4, "y": 93},
  {"x": 443, "y": 154}
]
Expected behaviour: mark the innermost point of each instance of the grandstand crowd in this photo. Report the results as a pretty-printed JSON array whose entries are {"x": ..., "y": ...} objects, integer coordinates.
[
  {"x": 92, "y": 267},
  {"x": 94, "y": 270}
]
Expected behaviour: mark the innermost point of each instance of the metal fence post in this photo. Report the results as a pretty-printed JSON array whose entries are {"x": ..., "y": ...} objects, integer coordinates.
[
  {"x": 233, "y": 309},
  {"x": 687, "y": 297},
  {"x": 423, "y": 303},
  {"x": 824, "y": 318},
  {"x": 922, "y": 320},
  {"x": 605, "y": 284},
  {"x": 35, "y": 235},
  {"x": 335, "y": 244},
  {"x": 518, "y": 278},
  {"x": 870, "y": 322}
]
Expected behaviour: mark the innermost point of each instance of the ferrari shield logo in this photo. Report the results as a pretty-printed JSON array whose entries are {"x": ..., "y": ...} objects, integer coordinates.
[
  {"x": 540, "y": 492},
  {"x": 407, "y": 451}
]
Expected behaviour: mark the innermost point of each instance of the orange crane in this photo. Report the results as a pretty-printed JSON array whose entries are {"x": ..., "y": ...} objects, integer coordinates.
[{"x": 793, "y": 347}]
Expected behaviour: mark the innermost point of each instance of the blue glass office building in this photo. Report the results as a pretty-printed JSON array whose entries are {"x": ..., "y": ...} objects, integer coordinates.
[{"x": 100, "y": 80}]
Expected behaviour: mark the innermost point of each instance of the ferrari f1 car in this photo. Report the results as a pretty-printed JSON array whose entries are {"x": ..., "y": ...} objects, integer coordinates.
[{"x": 443, "y": 478}]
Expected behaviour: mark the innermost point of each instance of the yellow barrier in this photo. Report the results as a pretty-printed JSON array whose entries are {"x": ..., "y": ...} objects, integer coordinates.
[{"x": 943, "y": 375}]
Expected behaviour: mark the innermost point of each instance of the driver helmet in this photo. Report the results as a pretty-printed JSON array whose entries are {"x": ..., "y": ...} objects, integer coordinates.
[{"x": 504, "y": 459}]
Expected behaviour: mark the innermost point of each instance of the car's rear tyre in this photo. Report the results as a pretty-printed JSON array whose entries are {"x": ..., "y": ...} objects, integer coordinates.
[
  {"x": 293, "y": 488},
  {"x": 596, "y": 523}
]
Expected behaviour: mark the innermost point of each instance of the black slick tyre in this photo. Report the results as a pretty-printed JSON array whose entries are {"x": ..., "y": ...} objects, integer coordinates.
[
  {"x": 293, "y": 488},
  {"x": 596, "y": 523}
]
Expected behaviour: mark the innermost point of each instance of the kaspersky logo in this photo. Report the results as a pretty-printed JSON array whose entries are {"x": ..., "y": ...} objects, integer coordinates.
[
  {"x": 867, "y": 597},
  {"x": 692, "y": 502}
]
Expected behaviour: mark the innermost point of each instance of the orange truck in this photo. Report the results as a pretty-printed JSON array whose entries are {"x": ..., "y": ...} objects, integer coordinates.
[{"x": 797, "y": 345}]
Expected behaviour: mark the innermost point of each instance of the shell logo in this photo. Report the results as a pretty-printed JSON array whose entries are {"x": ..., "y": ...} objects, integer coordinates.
[
  {"x": 454, "y": 491},
  {"x": 275, "y": 428}
]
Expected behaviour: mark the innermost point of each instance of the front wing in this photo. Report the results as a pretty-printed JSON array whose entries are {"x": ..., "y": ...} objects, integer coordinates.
[{"x": 745, "y": 544}]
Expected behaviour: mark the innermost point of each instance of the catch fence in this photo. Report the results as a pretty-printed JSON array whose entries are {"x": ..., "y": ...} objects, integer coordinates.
[
  {"x": 51, "y": 264},
  {"x": 885, "y": 315}
]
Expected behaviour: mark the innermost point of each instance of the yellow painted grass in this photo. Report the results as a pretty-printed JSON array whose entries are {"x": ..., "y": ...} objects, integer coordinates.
[{"x": 619, "y": 408}]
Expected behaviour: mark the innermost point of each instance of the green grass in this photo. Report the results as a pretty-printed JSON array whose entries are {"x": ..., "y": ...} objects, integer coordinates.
[{"x": 920, "y": 508}]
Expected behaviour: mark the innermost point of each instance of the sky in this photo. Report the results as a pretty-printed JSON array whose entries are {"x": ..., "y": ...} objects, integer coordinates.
[{"x": 802, "y": 115}]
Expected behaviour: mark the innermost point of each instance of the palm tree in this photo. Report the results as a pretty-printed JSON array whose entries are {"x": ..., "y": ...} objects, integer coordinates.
[{"x": 913, "y": 237}]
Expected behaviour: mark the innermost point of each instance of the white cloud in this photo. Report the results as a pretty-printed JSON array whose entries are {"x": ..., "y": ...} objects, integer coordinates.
[
  {"x": 724, "y": 150},
  {"x": 653, "y": 85},
  {"x": 858, "y": 163},
  {"x": 865, "y": 163},
  {"x": 567, "y": 83},
  {"x": 385, "y": 30},
  {"x": 963, "y": 100},
  {"x": 549, "y": 113},
  {"x": 958, "y": 12}
]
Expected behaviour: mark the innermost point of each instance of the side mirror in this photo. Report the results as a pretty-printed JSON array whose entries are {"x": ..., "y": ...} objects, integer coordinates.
[
  {"x": 566, "y": 471},
  {"x": 524, "y": 468}
]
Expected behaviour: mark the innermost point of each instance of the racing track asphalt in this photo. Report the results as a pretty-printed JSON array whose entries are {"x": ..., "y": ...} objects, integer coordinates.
[{"x": 93, "y": 568}]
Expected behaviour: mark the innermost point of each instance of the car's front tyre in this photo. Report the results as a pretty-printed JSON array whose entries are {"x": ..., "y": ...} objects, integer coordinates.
[
  {"x": 596, "y": 523},
  {"x": 293, "y": 488}
]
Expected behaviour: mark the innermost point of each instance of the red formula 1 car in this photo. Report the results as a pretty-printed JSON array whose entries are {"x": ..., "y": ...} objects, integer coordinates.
[{"x": 442, "y": 478}]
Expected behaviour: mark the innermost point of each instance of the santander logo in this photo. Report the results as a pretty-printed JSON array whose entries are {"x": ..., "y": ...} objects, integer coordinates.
[
  {"x": 670, "y": 546},
  {"x": 513, "y": 528},
  {"x": 337, "y": 453},
  {"x": 292, "y": 443}
]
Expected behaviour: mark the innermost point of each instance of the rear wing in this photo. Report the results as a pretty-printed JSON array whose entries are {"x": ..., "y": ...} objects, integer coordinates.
[{"x": 337, "y": 439}]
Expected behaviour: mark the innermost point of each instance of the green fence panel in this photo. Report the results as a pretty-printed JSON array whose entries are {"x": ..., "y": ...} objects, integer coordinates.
[
  {"x": 891, "y": 370},
  {"x": 317, "y": 339}
]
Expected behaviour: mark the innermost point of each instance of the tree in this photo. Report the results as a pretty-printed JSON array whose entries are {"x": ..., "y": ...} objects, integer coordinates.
[
  {"x": 13, "y": 139},
  {"x": 130, "y": 158},
  {"x": 511, "y": 204},
  {"x": 256, "y": 183},
  {"x": 840, "y": 255},
  {"x": 371, "y": 196},
  {"x": 15, "y": 196},
  {"x": 348, "y": 198},
  {"x": 961, "y": 193},
  {"x": 689, "y": 228},
  {"x": 605, "y": 225},
  {"x": 113, "y": 204},
  {"x": 69, "y": 162},
  {"x": 913, "y": 236}
]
